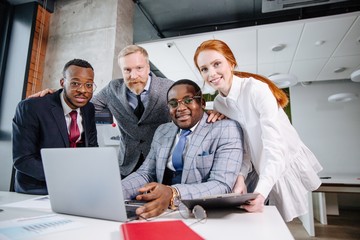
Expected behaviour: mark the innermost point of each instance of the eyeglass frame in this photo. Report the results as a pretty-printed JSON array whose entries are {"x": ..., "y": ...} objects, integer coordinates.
[
  {"x": 93, "y": 86},
  {"x": 198, "y": 212},
  {"x": 178, "y": 101}
]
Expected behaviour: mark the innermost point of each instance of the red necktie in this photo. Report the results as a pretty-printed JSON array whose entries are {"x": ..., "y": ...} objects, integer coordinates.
[{"x": 74, "y": 129}]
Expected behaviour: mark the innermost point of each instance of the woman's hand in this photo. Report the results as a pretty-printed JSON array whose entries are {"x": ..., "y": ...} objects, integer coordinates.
[
  {"x": 255, "y": 205},
  {"x": 240, "y": 186},
  {"x": 42, "y": 93},
  {"x": 214, "y": 116}
]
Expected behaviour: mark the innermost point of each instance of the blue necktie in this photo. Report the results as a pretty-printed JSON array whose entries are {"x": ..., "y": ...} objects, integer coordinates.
[{"x": 177, "y": 156}]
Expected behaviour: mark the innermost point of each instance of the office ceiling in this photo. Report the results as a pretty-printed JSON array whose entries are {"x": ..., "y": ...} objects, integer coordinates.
[{"x": 320, "y": 42}]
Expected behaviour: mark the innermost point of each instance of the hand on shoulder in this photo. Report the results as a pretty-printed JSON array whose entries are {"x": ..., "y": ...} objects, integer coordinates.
[
  {"x": 215, "y": 116},
  {"x": 42, "y": 93}
]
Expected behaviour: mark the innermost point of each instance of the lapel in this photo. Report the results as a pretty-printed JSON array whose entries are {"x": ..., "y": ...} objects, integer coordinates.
[
  {"x": 84, "y": 124},
  {"x": 198, "y": 136},
  {"x": 165, "y": 150},
  {"x": 123, "y": 98},
  {"x": 153, "y": 96},
  {"x": 58, "y": 114}
]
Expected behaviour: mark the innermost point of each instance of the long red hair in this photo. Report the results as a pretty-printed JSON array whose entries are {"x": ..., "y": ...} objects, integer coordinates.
[{"x": 223, "y": 48}]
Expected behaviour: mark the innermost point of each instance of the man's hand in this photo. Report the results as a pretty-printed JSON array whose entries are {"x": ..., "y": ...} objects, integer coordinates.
[
  {"x": 215, "y": 116},
  {"x": 255, "y": 205},
  {"x": 240, "y": 186},
  {"x": 42, "y": 93},
  {"x": 158, "y": 197}
]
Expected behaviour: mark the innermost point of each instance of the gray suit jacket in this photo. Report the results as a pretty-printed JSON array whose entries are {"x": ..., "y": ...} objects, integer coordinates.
[
  {"x": 211, "y": 164},
  {"x": 136, "y": 135}
]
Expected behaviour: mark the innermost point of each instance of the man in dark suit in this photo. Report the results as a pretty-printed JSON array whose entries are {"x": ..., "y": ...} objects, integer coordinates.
[{"x": 59, "y": 120}]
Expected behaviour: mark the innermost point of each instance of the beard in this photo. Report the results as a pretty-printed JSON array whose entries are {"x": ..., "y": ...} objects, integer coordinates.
[{"x": 136, "y": 86}]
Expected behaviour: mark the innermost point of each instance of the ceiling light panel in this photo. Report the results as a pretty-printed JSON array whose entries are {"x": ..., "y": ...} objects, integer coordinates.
[
  {"x": 322, "y": 29},
  {"x": 350, "y": 45},
  {"x": 312, "y": 66},
  {"x": 243, "y": 44},
  {"x": 271, "y": 36},
  {"x": 168, "y": 60},
  {"x": 267, "y": 69},
  {"x": 349, "y": 62}
]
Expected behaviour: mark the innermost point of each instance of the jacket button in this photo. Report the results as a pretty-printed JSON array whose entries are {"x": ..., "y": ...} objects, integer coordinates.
[{"x": 141, "y": 141}]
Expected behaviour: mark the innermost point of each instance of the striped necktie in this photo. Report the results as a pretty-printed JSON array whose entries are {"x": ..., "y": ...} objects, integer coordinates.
[{"x": 74, "y": 132}]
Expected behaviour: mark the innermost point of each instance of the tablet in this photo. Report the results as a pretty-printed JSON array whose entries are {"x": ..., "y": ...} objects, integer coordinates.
[{"x": 229, "y": 200}]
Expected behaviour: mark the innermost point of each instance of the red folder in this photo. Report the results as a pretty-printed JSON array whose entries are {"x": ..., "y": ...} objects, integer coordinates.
[{"x": 158, "y": 230}]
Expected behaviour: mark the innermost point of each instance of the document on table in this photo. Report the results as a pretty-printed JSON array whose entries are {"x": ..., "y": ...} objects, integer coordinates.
[
  {"x": 40, "y": 203},
  {"x": 25, "y": 228}
]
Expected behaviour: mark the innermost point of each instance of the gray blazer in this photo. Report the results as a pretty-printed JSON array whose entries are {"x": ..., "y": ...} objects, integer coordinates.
[
  {"x": 136, "y": 135},
  {"x": 211, "y": 164}
]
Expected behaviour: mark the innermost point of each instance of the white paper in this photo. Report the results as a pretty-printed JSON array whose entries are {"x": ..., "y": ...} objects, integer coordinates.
[{"x": 42, "y": 203}]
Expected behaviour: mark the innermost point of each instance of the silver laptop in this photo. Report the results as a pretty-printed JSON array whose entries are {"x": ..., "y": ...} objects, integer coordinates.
[{"x": 85, "y": 182}]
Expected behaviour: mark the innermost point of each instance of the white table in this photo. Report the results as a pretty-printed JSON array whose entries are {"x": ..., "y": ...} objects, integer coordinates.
[
  {"x": 320, "y": 205},
  {"x": 220, "y": 224},
  {"x": 325, "y": 197}
]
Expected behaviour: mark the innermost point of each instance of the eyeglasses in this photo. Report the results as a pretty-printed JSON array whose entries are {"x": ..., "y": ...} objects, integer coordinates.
[
  {"x": 89, "y": 87},
  {"x": 174, "y": 103},
  {"x": 198, "y": 212}
]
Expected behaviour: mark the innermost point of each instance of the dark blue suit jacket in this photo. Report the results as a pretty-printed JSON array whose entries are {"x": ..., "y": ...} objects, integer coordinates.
[{"x": 40, "y": 123}]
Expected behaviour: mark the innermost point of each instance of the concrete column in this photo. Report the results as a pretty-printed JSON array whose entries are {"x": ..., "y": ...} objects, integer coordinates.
[
  {"x": 92, "y": 30},
  {"x": 124, "y": 31}
]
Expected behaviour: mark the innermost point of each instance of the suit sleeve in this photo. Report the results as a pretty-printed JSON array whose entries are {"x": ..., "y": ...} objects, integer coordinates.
[
  {"x": 227, "y": 159},
  {"x": 147, "y": 171},
  {"x": 92, "y": 133},
  {"x": 26, "y": 135},
  {"x": 145, "y": 174},
  {"x": 100, "y": 99}
]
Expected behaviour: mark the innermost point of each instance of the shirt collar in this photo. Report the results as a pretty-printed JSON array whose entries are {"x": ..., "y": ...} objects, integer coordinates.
[
  {"x": 191, "y": 129},
  {"x": 64, "y": 105}
]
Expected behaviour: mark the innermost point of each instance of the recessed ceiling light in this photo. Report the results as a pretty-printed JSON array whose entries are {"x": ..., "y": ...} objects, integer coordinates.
[
  {"x": 320, "y": 42},
  {"x": 283, "y": 80},
  {"x": 339, "y": 70},
  {"x": 355, "y": 76},
  {"x": 342, "y": 97},
  {"x": 278, "y": 47}
]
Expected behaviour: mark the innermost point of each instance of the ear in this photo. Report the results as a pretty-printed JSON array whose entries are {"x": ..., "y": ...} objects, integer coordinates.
[
  {"x": 203, "y": 103},
  {"x": 62, "y": 82}
]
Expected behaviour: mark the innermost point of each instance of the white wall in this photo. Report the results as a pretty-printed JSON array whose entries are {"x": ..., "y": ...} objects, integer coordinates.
[{"x": 330, "y": 130}]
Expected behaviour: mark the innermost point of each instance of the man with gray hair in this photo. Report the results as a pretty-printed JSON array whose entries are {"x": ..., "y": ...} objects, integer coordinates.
[{"x": 138, "y": 103}]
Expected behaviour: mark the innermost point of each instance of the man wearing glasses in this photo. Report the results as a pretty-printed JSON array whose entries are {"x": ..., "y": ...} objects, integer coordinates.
[
  {"x": 189, "y": 157},
  {"x": 59, "y": 120}
]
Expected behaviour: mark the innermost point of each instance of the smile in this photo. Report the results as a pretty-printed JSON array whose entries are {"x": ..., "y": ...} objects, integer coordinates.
[
  {"x": 215, "y": 80},
  {"x": 183, "y": 117}
]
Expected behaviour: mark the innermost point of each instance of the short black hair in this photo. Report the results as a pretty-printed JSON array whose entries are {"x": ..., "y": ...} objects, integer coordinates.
[
  {"x": 77, "y": 62},
  {"x": 186, "y": 82}
]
